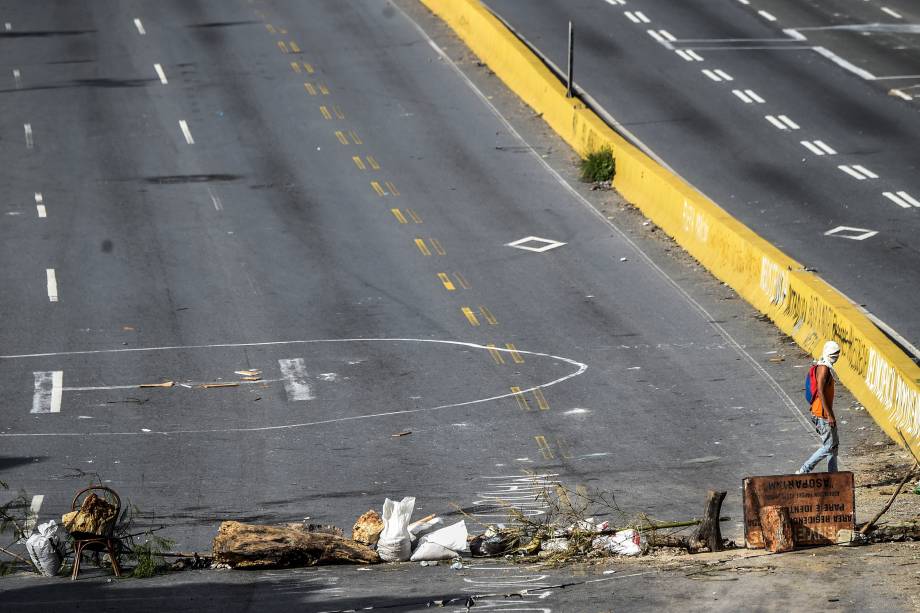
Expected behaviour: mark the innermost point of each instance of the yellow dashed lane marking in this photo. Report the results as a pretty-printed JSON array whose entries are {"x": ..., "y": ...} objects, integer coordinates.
[
  {"x": 544, "y": 447},
  {"x": 373, "y": 162},
  {"x": 294, "y": 47},
  {"x": 515, "y": 355},
  {"x": 378, "y": 189},
  {"x": 541, "y": 399},
  {"x": 310, "y": 89},
  {"x": 461, "y": 280},
  {"x": 496, "y": 354},
  {"x": 354, "y": 137},
  {"x": 415, "y": 216},
  {"x": 338, "y": 112},
  {"x": 445, "y": 280},
  {"x": 323, "y": 89},
  {"x": 487, "y": 315},
  {"x": 470, "y": 316},
  {"x": 341, "y": 136},
  {"x": 392, "y": 187},
  {"x": 358, "y": 162},
  {"x": 563, "y": 448},
  {"x": 270, "y": 28},
  {"x": 521, "y": 400},
  {"x": 328, "y": 116},
  {"x": 295, "y": 67},
  {"x": 282, "y": 46},
  {"x": 399, "y": 216},
  {"x": 420, "y": 243},
  {"x": 308, "y": 68},
  {"x": 438, "y": 248}
]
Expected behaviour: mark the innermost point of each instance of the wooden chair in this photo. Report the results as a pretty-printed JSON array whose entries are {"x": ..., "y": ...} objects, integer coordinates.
[{"x": 106, "y": 540}]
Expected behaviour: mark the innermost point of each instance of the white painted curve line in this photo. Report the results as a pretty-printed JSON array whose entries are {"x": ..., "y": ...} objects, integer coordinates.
[
  {"x": 161, "y": 74},
  {"x": 294, "y": 372},
  {"x": 51, "y": 277},
  {"x": 901, "y": 94},
  {"x": 49, "y": 386},
  {"x": 186, "y": 132},
  {"x": 858, "y": 172},
  {"x": 139, "y": 26},
  {"x": 894, "y": 14},
  {"x": 818, "y": 147},
  {"x": 27, "y": 127},
  {"x": 17, "y": 78},
  {"x": 766, "y": 15}
]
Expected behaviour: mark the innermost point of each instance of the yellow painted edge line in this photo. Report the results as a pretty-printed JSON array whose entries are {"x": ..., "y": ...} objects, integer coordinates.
[{"x": 801, "y": 304}]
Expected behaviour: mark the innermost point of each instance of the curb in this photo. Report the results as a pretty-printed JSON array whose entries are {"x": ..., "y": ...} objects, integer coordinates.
[{"x": 801, "y": 304}]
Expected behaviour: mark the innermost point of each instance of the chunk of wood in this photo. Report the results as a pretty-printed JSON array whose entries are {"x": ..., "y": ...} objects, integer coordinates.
[
  {"x": 709, "y": 534},
  {"x": 251, "y": 546},
  {"x": 368, "y": 528},
  {"x": 776, "y": 526}
]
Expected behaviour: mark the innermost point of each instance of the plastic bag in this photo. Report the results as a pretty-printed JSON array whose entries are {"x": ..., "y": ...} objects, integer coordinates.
[
  {"x": 453, "y": 537},
  {"x": 431, "y": 552},
  {"x": 423, "y": 526},
  {"x": 394, "y": 544},
  {"x": 624, "y": 542},
  {"x": 43, "y": 549}
]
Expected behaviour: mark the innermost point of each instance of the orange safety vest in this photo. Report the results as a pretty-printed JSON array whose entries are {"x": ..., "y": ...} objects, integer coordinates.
[{"x": 818, "y": 409}]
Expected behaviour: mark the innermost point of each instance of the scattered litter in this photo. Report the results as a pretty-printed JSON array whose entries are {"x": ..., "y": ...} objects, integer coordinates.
[
  {"x": 253, "y": 378},
  {"x": 609, "y": 572},
  {"x": 457, "y": 565},
  {"x": 163, "y": 384},
  {"x": 229, "y": 384},
  {"x": 249, "y": 373},
  {"x": 622, "y": 259},
  {"x": 556, "y": 545},
  {"x": 44, "y": 549},
  {"x": 398, "y": 434},
  {"x": 394, "y": 544},
  {"x": 145, "y": 429},
  {"x": 777, "y": 359}
]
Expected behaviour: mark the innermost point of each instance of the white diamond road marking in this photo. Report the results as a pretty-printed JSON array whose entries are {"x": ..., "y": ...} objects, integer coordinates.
[
  {"x": 545, "y": 244},
  {"x": 855, "y": 234}
]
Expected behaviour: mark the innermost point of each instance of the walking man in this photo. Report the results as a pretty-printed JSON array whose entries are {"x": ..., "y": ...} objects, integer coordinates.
[{"x": 822, "y": 410}]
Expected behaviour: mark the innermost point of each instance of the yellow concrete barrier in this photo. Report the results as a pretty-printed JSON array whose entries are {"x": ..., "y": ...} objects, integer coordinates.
[{"x": 800, "y": 303}]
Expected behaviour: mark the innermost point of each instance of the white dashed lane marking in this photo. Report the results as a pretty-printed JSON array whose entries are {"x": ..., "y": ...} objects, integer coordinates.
[
  {"x": 51, "y": 277},
  {"x": 892, "y": 13},
  {"x": 186, "y": 132},
  {"x": 616, "y": 2},
  {"x": 49, "y": 386},
  {"x": 818, "y": 147},
  {"x": 902, "y": 199},
  {"x": 161, "y": 74},
  {"x": 637, "y": 17},
  {"x": 748, "y": 96},
  {"x": 782, "y": 122},
  {"x": 294, "y": 372},
  {"x": 40, "y": 205},
  {"x": 858, "y": 172},
  {"x": 139, "y": 26},
  {"x": 689, "y": 55},
  {"x": 717, "y": 75},
  {"x": 17, "y": 78},
  {"x": 27, "y": 128},
  {"x": 766, "y": 15}
]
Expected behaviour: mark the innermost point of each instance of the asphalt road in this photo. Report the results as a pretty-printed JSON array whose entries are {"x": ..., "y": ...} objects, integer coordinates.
[
  {"x": 799, "y": 118},
  {"x": 310, "y": 190}
]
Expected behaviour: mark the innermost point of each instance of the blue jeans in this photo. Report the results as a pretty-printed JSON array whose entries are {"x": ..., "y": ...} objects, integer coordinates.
[{"x": 828, "y": 449}]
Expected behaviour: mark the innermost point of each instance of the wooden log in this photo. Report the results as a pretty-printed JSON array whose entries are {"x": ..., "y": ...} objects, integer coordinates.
[
  {"x": 255, "y": 547},
  {"x": 709, "y": 534},
  {"x": 776, "y": 526}
]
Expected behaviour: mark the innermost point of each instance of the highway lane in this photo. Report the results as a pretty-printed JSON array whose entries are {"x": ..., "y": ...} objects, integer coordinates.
[
  {"x": 792, "y": 143},
  {"x": 314, "y": 193}
]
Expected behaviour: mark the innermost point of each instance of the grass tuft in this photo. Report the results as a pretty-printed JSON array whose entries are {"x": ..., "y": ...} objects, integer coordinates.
[{"x": 598, "y": 166}]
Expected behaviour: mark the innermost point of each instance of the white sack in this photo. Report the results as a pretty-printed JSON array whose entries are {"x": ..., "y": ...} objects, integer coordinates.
[
  {"x": 624, "y": 542},
  {"x": 43, "y": 549},
  {"x": 432, "y": 552},
  {"x": 394, "y": 544},
  {"x": 451, "y": 537},
  {"x": 421, "y": 527}
]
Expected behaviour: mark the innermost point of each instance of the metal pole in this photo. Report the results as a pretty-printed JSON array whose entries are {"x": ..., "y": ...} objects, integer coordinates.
[{"x": 569, "y": 84}]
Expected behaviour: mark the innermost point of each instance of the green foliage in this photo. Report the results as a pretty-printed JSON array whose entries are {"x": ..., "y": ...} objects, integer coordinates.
[
  {"x": 598, "y": 166},
  {"x": 148, "y": 556}
]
